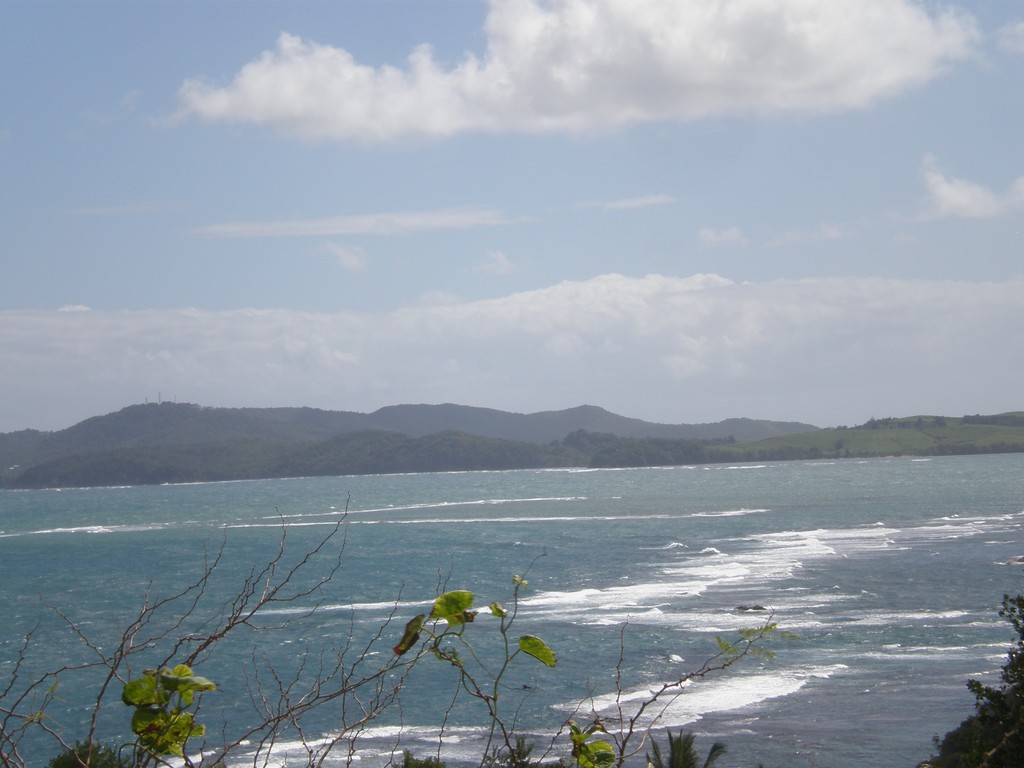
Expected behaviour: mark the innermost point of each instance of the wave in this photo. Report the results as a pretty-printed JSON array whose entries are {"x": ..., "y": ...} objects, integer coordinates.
[
  {"x": 383, "y": 744},
  {"x": 729, "y": 513},
  {"x": 333, "y": 512},
  {"x": 376, "y": 745},
  {"x": 378, "y": 607},
  {"x": 710, "y": 695},
  {"x": 929, "y": 653},
  {"x": 333, "y": 517},
  {"x": 463, "y": 520},
  {"x": 87, "y": 529},
  {"x": 876, "y": 618}
]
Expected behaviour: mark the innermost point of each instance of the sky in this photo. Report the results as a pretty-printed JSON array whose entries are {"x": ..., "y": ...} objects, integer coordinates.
[{"x": 800, "y": 210}]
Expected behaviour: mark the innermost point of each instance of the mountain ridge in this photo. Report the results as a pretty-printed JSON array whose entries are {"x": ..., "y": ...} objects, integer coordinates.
[
  {"x": 172, "y": 443},
  {"x": 176, "y": 423},
  {"x": 174, "y": 429}
]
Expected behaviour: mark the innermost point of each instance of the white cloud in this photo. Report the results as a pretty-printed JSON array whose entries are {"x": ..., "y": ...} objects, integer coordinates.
[
  {"x": 824, "y": 232},
  {"x": 351, "y": 258},
  {"x": 584, "y": 65},
  {"x": 711, "y": 237},
  {"x": 663, "y": 348},
  {"x": 951, "y": 197},
  {"x": 1010, "y": 38},
  {"x": 365, "y": 224},
  {"x": 496, "y": 263},
  {"x": 628, "y": 203},
  {"x": 646, "y": 201}
]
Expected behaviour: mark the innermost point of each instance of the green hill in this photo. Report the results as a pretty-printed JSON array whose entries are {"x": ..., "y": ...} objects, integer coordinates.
[
  {"x": 909, "y": 436},
  {"x": 169, "y": 443}
]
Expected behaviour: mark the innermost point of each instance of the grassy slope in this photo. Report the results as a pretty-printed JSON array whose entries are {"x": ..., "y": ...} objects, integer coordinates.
[{"x": 924, "y": 435}]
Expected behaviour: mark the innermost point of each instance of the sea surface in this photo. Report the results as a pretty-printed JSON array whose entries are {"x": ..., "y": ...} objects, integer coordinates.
[{"x": 889, "y": 572}]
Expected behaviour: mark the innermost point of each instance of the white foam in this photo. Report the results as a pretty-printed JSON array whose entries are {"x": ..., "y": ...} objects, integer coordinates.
[
  {"x": 88, "y": 529},
  {"x": 381, "y": 744},
  {"x": 460, "y": 520},
  {"x": 729, "y": 513},
  {"x": 386, "y": 607},
  {"x": 333, "y": 512},
  {"x": 624, "y": 599},
  {"x": 714, "y": 694},
  {"x": 775, "y": 557},
  {"x": 888, "y": 619}
]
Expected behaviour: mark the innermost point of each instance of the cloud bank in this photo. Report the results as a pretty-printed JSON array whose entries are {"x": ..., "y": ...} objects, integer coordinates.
[
  {"x": 1010, "y": 38},
  {"x": 731, "y": 236},
  {"x": 584, "y": 65},
  {"x": 701, "y": 348},
  {"x": 951, "y": 197}
]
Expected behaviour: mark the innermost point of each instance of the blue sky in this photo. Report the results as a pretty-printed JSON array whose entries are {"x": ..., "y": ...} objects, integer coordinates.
[{"x": 682, "y": 212}]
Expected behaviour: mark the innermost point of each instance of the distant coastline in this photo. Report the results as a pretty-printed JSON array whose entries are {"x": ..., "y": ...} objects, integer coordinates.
[{"x": 157, "y": 443}]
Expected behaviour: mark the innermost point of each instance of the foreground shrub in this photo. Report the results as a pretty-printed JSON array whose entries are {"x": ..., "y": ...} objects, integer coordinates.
[
  {"x": 682, "y": 753},
  {"x": 408, "y": 761},
  {"x": 993, "y": 737},
  {"x": 86, "y": 755}
]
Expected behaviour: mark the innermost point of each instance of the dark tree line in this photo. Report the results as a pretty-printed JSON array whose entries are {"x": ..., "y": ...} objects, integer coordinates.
[{"x": 378, "y": 452}]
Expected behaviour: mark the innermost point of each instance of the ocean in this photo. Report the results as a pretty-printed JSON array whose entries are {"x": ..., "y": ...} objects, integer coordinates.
[{"x": 889, "y": 573}]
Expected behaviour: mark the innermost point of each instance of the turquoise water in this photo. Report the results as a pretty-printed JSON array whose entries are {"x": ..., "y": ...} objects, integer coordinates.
[{"x": 890, "y": 573}]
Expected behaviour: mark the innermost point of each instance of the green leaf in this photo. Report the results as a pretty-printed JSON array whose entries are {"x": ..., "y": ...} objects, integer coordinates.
[
  {"x": 410, "y": 636},
  {"x": 534, "y": 646},
  {"x": 498, "y": 610},
  {"x": 141, "y": 692},
  {"x": 454, "y": 607},
  {"x": 148, "y": 723},
  {"x": 181, "y": 728},
  {"x": 183, "y": 683},
  {"x": 724, "y": 646},
  {"x": 600, "y": 753}
]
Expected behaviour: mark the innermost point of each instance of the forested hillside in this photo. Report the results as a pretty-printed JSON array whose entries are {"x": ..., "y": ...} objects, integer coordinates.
[{"x": 172, "y": 443}]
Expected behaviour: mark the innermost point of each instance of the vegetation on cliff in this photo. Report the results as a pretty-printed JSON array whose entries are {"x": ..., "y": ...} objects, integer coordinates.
[{"x": 993, "y": 737}]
